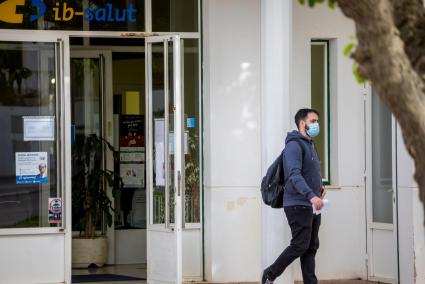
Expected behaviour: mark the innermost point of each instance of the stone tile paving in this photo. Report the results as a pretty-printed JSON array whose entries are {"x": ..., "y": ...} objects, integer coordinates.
[
  {"x": 343, "y": 282},
  {"x": 297, "y": 282}
]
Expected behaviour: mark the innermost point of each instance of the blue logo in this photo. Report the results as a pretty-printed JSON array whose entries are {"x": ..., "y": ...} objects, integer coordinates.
[{"x": 62, "y": 12}]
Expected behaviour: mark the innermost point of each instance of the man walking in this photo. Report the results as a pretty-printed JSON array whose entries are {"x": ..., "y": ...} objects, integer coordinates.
[{"x": 303, "y": 187}]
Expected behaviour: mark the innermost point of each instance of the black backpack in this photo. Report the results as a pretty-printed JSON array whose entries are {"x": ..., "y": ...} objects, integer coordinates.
[{"x": 273, "y": 183}]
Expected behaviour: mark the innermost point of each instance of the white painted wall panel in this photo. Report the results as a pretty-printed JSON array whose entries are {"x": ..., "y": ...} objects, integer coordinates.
[
  {"x": 419, "y": 239},
  {"x": 405, "y": 234},
  {"x": 235, "y": 254},
  {"x": 232, "y": 135},
  {"x": 28, "y": 259},
  {"x": 232, "y": 126}
]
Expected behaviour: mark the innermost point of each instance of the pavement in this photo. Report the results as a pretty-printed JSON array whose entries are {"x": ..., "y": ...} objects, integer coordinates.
[
  {"x": 343, "y": 282},
  {"x": 300, "y": 282}
]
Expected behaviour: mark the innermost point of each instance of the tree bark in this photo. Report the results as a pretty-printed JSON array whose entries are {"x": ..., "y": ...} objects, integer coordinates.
[{"x": 395, "y": 65}]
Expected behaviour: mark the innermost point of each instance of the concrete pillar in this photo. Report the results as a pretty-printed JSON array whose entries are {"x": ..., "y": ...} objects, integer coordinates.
[{"x": 276, "y": 42}]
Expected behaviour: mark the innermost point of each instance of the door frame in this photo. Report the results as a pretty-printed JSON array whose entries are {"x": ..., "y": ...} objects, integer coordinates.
[
  {"x": 63, "y": 127},
  {"x": 106, "y": 122},
  {"x": 370, "y": 225},
  {"x": 167, "y": 230},
  {"x": 189, "y": 228}
]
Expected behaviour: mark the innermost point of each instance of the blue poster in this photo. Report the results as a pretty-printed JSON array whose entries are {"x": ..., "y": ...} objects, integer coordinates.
[{"x": 31, "y": 167}]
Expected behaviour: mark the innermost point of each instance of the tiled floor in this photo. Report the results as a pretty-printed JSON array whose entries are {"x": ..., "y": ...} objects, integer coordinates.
[
  {"x": 139, "y": 270},
  {"x": 135, "y": 270}
]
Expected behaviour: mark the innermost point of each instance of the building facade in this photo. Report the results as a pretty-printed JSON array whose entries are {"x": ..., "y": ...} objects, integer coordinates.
[{"x": 196, "y": 97}]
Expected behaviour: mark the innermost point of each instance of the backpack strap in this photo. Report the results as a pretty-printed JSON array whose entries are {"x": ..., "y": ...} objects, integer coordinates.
[{"x": 302, "y": 148}]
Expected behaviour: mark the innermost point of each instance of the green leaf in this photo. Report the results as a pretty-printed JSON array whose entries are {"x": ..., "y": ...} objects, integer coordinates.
[
  {"x": 359, "y": 78},
  {"x": 348, "y": 48},
  {"x": 312, "y": 3}
]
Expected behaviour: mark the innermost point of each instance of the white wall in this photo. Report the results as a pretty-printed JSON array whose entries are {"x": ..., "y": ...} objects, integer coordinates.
[
  {"x": 419, "y": 239},
  {"x": 236, "y": 117},
  {"x": 410, "y": 219},
  {"x": 232, "y": 151},
  {"x": 342, "y": 234},
  {"x": 343, "y": 224}
]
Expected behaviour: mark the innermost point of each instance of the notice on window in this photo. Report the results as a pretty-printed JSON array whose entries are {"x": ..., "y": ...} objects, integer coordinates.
[
  {"x": 131, "y": 131},
  {"x": 55, "y": 210},
  {"x": 138, "y": 212},
  {"x": 31, "y": 167},
  {"x": 132, "y": 154},
  {"x": 132, "y": 175},
  {"x": 39, "y": 128}
]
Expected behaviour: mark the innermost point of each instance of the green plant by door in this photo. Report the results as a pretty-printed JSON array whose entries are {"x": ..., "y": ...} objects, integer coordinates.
[{"x": 90, "y": 201}]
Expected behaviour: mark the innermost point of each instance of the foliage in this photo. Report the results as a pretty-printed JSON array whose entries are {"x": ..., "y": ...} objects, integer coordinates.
[
  {"x": 192, "y": 173},
  {"x": 311, "y": 3},
  {"x": 12, "y": 73},
  {"x": 348, "y": 51},
  {"x": 89, "y": 198}
]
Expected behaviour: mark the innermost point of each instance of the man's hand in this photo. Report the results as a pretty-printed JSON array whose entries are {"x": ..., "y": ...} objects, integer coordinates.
[
  {"x": 323, "y": 193},
  {"x": 318, "y": 203}
]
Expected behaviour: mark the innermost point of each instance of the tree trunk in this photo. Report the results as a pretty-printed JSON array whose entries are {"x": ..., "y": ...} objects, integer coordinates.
[{"x": 395, "y": 73}]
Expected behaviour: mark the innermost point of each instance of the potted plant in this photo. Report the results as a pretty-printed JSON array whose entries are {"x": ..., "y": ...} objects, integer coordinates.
[{"x": 90, "y": 202}]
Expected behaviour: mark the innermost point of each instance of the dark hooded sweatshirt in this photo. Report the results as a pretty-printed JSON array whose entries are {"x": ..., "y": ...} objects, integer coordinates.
[{"x": 303, "y": 179}]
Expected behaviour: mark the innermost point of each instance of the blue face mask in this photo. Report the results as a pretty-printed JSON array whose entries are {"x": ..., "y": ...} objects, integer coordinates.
[{"x": 313, "y": 130}]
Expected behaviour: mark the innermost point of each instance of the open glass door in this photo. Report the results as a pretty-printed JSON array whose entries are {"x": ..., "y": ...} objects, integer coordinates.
[
  {"x": 33, "y": 184},
  {"x": 165, "y": 158}
]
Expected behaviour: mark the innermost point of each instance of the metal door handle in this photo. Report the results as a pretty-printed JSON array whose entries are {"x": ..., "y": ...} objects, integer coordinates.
[{"x": 179, "y": 179}]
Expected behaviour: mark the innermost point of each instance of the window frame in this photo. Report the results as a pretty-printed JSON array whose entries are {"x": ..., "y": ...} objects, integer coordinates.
[
  {"x": 326, "y": 119},
  {"x": 60, "y": 43}
]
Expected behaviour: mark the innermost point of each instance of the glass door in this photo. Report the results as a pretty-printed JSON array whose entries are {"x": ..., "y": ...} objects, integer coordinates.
[
  {"x": 33, "y": 187},
  {"x": 382, "y": 194},
  {"x": 165, "y": 158},
  {"x": 87, "y": 104},
  {"x": 91, "y": 116}
]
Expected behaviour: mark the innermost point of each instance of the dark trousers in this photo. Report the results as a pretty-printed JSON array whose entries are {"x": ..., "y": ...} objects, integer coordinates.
[{"x": 304, "y": 244}]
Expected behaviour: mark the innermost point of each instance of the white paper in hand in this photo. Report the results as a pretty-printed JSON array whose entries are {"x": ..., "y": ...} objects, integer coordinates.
[{"x": 325, "y": 206}]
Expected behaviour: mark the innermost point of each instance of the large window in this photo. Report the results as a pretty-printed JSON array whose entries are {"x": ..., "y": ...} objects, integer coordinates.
[
  {"x": 29, "y": 181},
  {"x": 175, "y": 15},
  {"x": 320, "y": 101}
]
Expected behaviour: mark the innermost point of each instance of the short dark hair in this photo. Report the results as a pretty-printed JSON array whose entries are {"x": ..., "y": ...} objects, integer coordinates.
[{"x": 302, "y": 115}]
